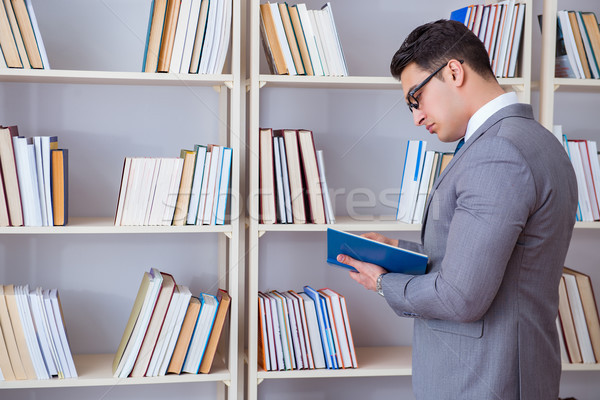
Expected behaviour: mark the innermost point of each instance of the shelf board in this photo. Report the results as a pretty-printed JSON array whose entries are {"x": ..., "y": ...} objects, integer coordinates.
[
  {"x": 106, "y": 225},
  {"x": 96, "y": 370},
  {"x": 112, "y": 77},
  {"x": 372, "y": 361},
  {"x": 587, "y": 225},
  {"x": 385, "y": 223},
  {"x": 582, "y": 84},
  {"x": 349, "y": 82},
  {"x": 580, "y": 367}
]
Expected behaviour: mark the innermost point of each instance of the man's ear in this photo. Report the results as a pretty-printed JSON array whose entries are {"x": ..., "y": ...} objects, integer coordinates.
[{"x": 457, "y": 72}]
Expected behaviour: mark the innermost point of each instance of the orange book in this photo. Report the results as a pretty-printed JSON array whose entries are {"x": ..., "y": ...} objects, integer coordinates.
[
  {"x": 185, "y": 335},
  {"x": 211, "y": 348}
]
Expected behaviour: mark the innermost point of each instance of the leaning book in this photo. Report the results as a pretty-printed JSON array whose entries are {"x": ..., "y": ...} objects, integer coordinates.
[{"x": 392, "y": 258}]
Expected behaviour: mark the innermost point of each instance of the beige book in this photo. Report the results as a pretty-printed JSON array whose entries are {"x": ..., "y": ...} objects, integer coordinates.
[
  {"x": 185, "y": 187},
  {"x": 17, "y": 34},
  {"x": 15, "y": 319},
  {"x": 213, "y": 341},
  {"x": 135, "y": 312},
  {"x": 185, "y": 335},
  {"x": 7, "y": 341},
  {"x": 26, "y": 29}
]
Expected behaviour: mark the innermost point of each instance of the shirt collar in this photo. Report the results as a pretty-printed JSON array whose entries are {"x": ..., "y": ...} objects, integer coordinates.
[{"x": 488, "y": 110}]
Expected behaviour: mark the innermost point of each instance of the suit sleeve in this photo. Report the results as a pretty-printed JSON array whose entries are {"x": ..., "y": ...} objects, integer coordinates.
[{"x": 493, "y": 193}]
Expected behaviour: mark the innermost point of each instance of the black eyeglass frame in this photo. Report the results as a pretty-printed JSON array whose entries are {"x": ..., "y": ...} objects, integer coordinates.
[{"x": 411, "y": 101}]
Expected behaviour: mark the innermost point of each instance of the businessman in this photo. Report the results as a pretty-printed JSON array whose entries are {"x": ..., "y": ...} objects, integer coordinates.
[{"x": 497, "y": 228}]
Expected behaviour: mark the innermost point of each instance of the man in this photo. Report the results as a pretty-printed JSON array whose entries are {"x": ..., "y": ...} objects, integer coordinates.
[{"x": 497, "y": 228}]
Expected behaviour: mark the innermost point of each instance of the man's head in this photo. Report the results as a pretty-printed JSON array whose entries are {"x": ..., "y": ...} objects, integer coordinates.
[{"x": 446, "y": 76}]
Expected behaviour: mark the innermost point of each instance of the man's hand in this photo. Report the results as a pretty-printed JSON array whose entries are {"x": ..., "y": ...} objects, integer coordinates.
[
  {"x": 380, "y": 238},
  {"x": 367, "y": 273}
]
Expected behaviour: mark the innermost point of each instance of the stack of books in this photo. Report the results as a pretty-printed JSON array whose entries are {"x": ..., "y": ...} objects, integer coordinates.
[
  {"x": 298, "y": 41},
  {"x": 578, "y": 324},
  {"x": 305, "y": 330},
  {"x": 33, "y": 338},
  {"x": 191, "y": 189},
  {"x": 421, "y": 168},
  {"x": 34, "y": 180},
  {"x": 585, "y": 159},
  {"x": 293, "y": 188},
  {"x": 577, "y": 45},
  {"x": 169, "y": 330},
  {"x": 500, "y": 27},
  {"x": 20, "y": 37},
  {"x": 188, "y": 36}
]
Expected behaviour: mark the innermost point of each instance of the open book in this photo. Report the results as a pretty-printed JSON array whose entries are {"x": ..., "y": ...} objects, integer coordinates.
[{"x": 392, "y": 258}]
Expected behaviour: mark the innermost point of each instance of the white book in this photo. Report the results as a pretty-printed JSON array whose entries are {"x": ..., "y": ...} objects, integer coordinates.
[
  {"x": 223, "y": 185},
  {"x": 190, "y": 36},
  {"x": 584, "y": 199},
  {"x": 38, "y": 34},
  {"x": 516, "y": 41},
  {"x": 123, "y": 191},
  {"x": 298, "y": 308},
  {"x": 216, "y": 38},
  {"x": 564, "y": 356},
  {"x": 22, "y": 297},
  {"x": 270, "y": 333},
  {"x": 62, "y": 352},
  {"x": 504, "y": 37},
  {"x": 204, "y": 188},
  {"x": 287, "y": 194},
  {"x": 589, "y": 180},
  {"x": 215, "y": 161},
  {"x": 264, "y": 335},
  {"x": 163, "y": 179},
  {"x": 180, "y": 36},
  {"x": 194, "y": 63},
  {"x": 415, "y": 152},
  {"x": 201, "y": 334},
  {"x": 149, "y": 198},
  {"x": 137, "y": 336},
  {"x": 62, "y": 330},
  {"x": 26, "y": 172},
  {"x": 337, "y": 44},
  {"x": 209, "y": 33},
  {"x": 53, "y": 340},
  {"x": 172, "y": 193},
  {"x": 593, "y": 154},
  {"x": 319, "y": 40},
  {"x": 294, "y": 332},
  {"x": 282, "y": 365},
  {"x": 281, "y": 214},
  {"x": 285, "y": 46},
  {"x": 336, "y": 319},
  {"x": 348, "y": 331},
  {"x": 310, "y": 38},
  {"x": 196, "y": 184},
  {"x": 484, "y": 23},
  {"x": 41, "y": 330},
  {"x": 172, "y": 339},
  {"x": 306, "y": 336},
  {"x": 37, "y": 146},
  {"x": 280, "y": 324},
  {"x": 131, "y": 192},
  {"x": 583, "y": 336},
  {"x": 47, "y": 170},
  {"x": 423, "y": 187},
  {"x": 570, "y": 46},
  {"x": 329, "y": 213},
  {"x": 225, "y": 38}
]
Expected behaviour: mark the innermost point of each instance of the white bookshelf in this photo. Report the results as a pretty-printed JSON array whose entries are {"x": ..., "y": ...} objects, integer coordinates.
[
  {"x": 372, "y": 361},
  {"x": 83, "y": 227}
]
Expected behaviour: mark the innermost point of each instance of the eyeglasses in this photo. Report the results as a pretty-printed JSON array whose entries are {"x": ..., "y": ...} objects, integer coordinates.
[{"x": 411, "y": 100}]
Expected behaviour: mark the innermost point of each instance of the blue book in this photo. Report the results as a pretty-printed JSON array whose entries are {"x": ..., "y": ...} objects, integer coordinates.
[
  {"x": 321, "y": 317},
  {"x": 392, "y": 258},
  {"x": 461, "y": 15}
]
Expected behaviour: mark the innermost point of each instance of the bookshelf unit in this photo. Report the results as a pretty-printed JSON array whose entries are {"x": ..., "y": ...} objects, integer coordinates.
[
  {"x": 560, "y": 97},
  {"x": 294, "y": 102},
  {"x": 79, "y": 252}
]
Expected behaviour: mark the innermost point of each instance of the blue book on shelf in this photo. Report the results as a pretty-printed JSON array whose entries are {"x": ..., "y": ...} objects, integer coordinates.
[
  {"x": 392, "y": 258},
  {"x": 326, "y": 340},
  {"x": 461, "y": 15}
]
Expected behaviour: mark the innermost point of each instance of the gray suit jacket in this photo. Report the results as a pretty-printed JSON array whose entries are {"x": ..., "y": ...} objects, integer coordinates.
[{"x": 497, "y": 229}]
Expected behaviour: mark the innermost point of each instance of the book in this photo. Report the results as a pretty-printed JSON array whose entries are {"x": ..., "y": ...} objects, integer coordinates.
[
  {"x": 593, "y": 32},
  {"x": 5, "y": 363},
  {"x": 312, "y": 177},
  {"x": 290, "y": 36},
  {"x": 21, "y": 293},
  {"x": 587, "y": 45},
  {"x": 392, "y": 258},
  {"x": 190, "y": 35},
  {"x": 168, "y": 35},
  {"x": 211, "y": 347},
  {"x": 154, "y": 36},
  {"x": 295, "y": 174},
  {"x": 582, "y": 60},
  {"x": 154, "y": 326},
  {"x": 314, "y": 333},
  {"x": 264, "y": 356},
  {"x": 14, "y": 25},
  {"x": 52, "y": 301},
  {"x": 185, "y": 335},
  {"x": 411, "y": 177},
  {"x": 329, "y": 213},
  {"x": 279, "y": 185},
  {"x": 10, "y": 340},
  {"x": 27, "y": 33},
  {"x": 7, "y": 42},
  {"x": 301, "y": 39},
  {"x": 185, "y": 187},
  {"x": 338, "y": 324},
  {"x": 325, "y": 334},
  {"x": 199, "y": 37},
  {"x": 180, "y": 36},
  {"x": 10, "y": 175},
  {"x": 222, "y": 190},
  {"x": 194, "y": 203},
  {"x": 16, "y": 321},
  {"x": 583, "y": 336},
  {"x": 27, "y": 175},
  {"x": 199, "y": 341},
  {"x": 60, "y": 186},
  {"x": 303, "y": 326},
  {"x": 295, "y": 324},
  {"x": 590, "y": 310},
  {"x": 271, "y": 42},
  {"x": 567, "y": 324},
  {"x": 311, "y": 41},
  {"x": 274, "y": 342}
]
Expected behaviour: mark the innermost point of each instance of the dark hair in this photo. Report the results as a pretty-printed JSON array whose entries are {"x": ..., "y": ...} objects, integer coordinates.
[{"x": 432, "y": 44}]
